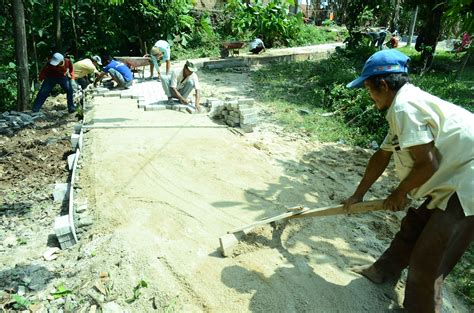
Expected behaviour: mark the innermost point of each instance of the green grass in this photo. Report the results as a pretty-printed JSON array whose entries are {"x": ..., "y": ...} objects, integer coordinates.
[
  {"x": 319, "y": 86},
  {"x": 313, "y": 35}
]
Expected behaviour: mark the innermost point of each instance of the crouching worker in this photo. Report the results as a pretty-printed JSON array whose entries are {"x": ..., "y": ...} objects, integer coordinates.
[
  {"x": 119, "y": 72},
  {"x": 431, "y": 141},
  {"x": 179, "y": 85},
  {"x": 256, "y": 46},
  {"x": 86, "y": 67},
  {"x": 58, "y": 71}
]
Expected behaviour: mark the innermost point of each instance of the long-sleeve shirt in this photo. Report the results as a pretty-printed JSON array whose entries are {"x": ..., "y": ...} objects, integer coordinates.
[{"x": 58, "y": 71}]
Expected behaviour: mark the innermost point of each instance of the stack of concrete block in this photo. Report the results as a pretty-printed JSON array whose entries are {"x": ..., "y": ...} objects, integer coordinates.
[
  {"x": 234, "y": 112},
  {"x": 63, "y": 232}
]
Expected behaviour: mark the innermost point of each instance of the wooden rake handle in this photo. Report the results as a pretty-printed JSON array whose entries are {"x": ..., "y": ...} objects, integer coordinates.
[{"x": 299, "y": 212}]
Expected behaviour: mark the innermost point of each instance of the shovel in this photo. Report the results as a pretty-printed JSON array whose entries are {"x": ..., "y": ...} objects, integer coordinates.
[{"x": 232, "y": 238}]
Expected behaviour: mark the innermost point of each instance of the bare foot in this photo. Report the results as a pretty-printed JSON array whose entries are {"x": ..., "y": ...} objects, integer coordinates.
[{"x": 369, "y": 272}]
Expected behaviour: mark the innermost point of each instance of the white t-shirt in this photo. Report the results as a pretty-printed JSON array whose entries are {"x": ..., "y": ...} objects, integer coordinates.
[
  {"x": 178, "y": 82},
  {"x": 417, "y": 117},
  {"x": 257, "y": 42}
]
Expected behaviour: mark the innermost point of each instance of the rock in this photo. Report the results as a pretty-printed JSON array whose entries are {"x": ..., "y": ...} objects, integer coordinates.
[
  {"x": 112, "y": 307},
  {"x": 85, "y": 221},
  {"x": 10, "y": 241},
  {"x": 21, "y": 290},
  {"x": 51, "y": 254}
]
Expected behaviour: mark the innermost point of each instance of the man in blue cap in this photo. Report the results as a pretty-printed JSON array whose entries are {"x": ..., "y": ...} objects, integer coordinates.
[{"x": 432, "y": 142}]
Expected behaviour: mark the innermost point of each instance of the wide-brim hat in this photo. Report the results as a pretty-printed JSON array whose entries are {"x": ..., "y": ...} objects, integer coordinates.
[
  {"x": 191, "y": 66},
  {"x": 382, "y": 62},
  {"x": 56, "y": 59}
]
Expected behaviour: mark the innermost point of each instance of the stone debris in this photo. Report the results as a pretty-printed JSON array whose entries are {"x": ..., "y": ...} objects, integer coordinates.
[
  {"x": 234, "y": 112},
  {"x": 12, "y": 121}
]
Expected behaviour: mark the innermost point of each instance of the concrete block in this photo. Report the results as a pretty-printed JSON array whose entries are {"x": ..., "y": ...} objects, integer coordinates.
[
  {"x": 70, "y": 160},
  {"x": 77, "y": 128},
  {"x": 81, "y": 207},
  {"x": 66, "y": 241},
  {"x": 245, "y": 106},
  {"x": 116, "y": 93},
  {"x": 61, "y": 192},
  {"x": 141, "y": 105},
  {"x": 216, "y": 103},
  {"x": 61, "y": 226},
  {"x": 249, "y": 120},
  {"x": 246, "y": 129},
  {"x": 126, "y": 96},
  {"x": 249, "y": 101},
  {"x": 74, "y": 141},
  {"x": 247, "y": 111},
  {"x": 81, "y": 140},
  {"x": 151, "y": 107}
]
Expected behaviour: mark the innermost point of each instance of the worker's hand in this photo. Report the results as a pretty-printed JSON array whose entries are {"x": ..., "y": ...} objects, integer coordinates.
[
  {"x": 351, "y": 200},
  {"x": 185, "y": 101},
  {"x": 198, "y": 108},
  {"x": 396, "y": 201}
]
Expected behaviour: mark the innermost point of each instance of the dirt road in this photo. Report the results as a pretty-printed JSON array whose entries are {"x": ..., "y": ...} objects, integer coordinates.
[{"x": 165, "y": 185}]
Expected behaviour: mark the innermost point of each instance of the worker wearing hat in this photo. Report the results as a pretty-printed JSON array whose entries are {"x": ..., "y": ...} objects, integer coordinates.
[
  {"x": 86, "y": 67},
  {"x": 180, "y": 84},
  {"x": 58, "y": 71},
  {"x": 431, "y": 141}
]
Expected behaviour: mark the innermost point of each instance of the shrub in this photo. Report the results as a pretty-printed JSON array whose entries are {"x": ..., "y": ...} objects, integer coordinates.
[{"x": 8, "y": 86}]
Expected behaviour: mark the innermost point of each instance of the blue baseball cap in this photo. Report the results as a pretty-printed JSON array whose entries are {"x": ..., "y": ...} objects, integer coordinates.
[{"x": 381, "y": 62}]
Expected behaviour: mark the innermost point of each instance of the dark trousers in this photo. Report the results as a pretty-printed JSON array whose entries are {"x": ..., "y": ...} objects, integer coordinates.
[
  {"x": 256, "y": 50},
  {"x": 83, "y": 82},
  {"x": 429, "y": 243},
  {"x": 46, "y": 88}
]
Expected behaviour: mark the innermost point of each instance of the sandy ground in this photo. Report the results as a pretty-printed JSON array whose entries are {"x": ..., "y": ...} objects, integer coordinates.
[{"x": 165, "y": 185}]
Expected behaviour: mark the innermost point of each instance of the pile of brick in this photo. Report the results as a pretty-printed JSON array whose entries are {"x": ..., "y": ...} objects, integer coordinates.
[
  {"x": 10, "y": 122},
  {"x": 234, "y": 112}
]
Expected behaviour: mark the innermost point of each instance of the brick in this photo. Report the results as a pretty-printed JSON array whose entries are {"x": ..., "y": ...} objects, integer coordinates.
[
  {"x": 74, "y": 141},
  {"x": 70, "y": 160},
  {"x": 216, "y": 103},
  {"x": 151, "y": 107},
  {"x": 116, "y": 93},
  {"x": 246, "y": 101},
  {"x": 247, "y": 111},
  {"x": 77, "y": 128},
  {"x": 248, "y": 120},
  {"x": 61, "y": 226},
  {"x": 61, "y": 192},
  {"x": 245, "y": 106}
]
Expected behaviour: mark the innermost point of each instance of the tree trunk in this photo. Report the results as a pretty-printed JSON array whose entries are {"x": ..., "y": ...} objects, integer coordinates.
[
  {"x": 396, "y": 16},
  {"x": 431, "y": 32},
  {"x": 74, "y": 29},
  {"x": 19, "y": 33},
  {"x": 412, "y": 27},
  {"x": 57, "y": 24}
]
